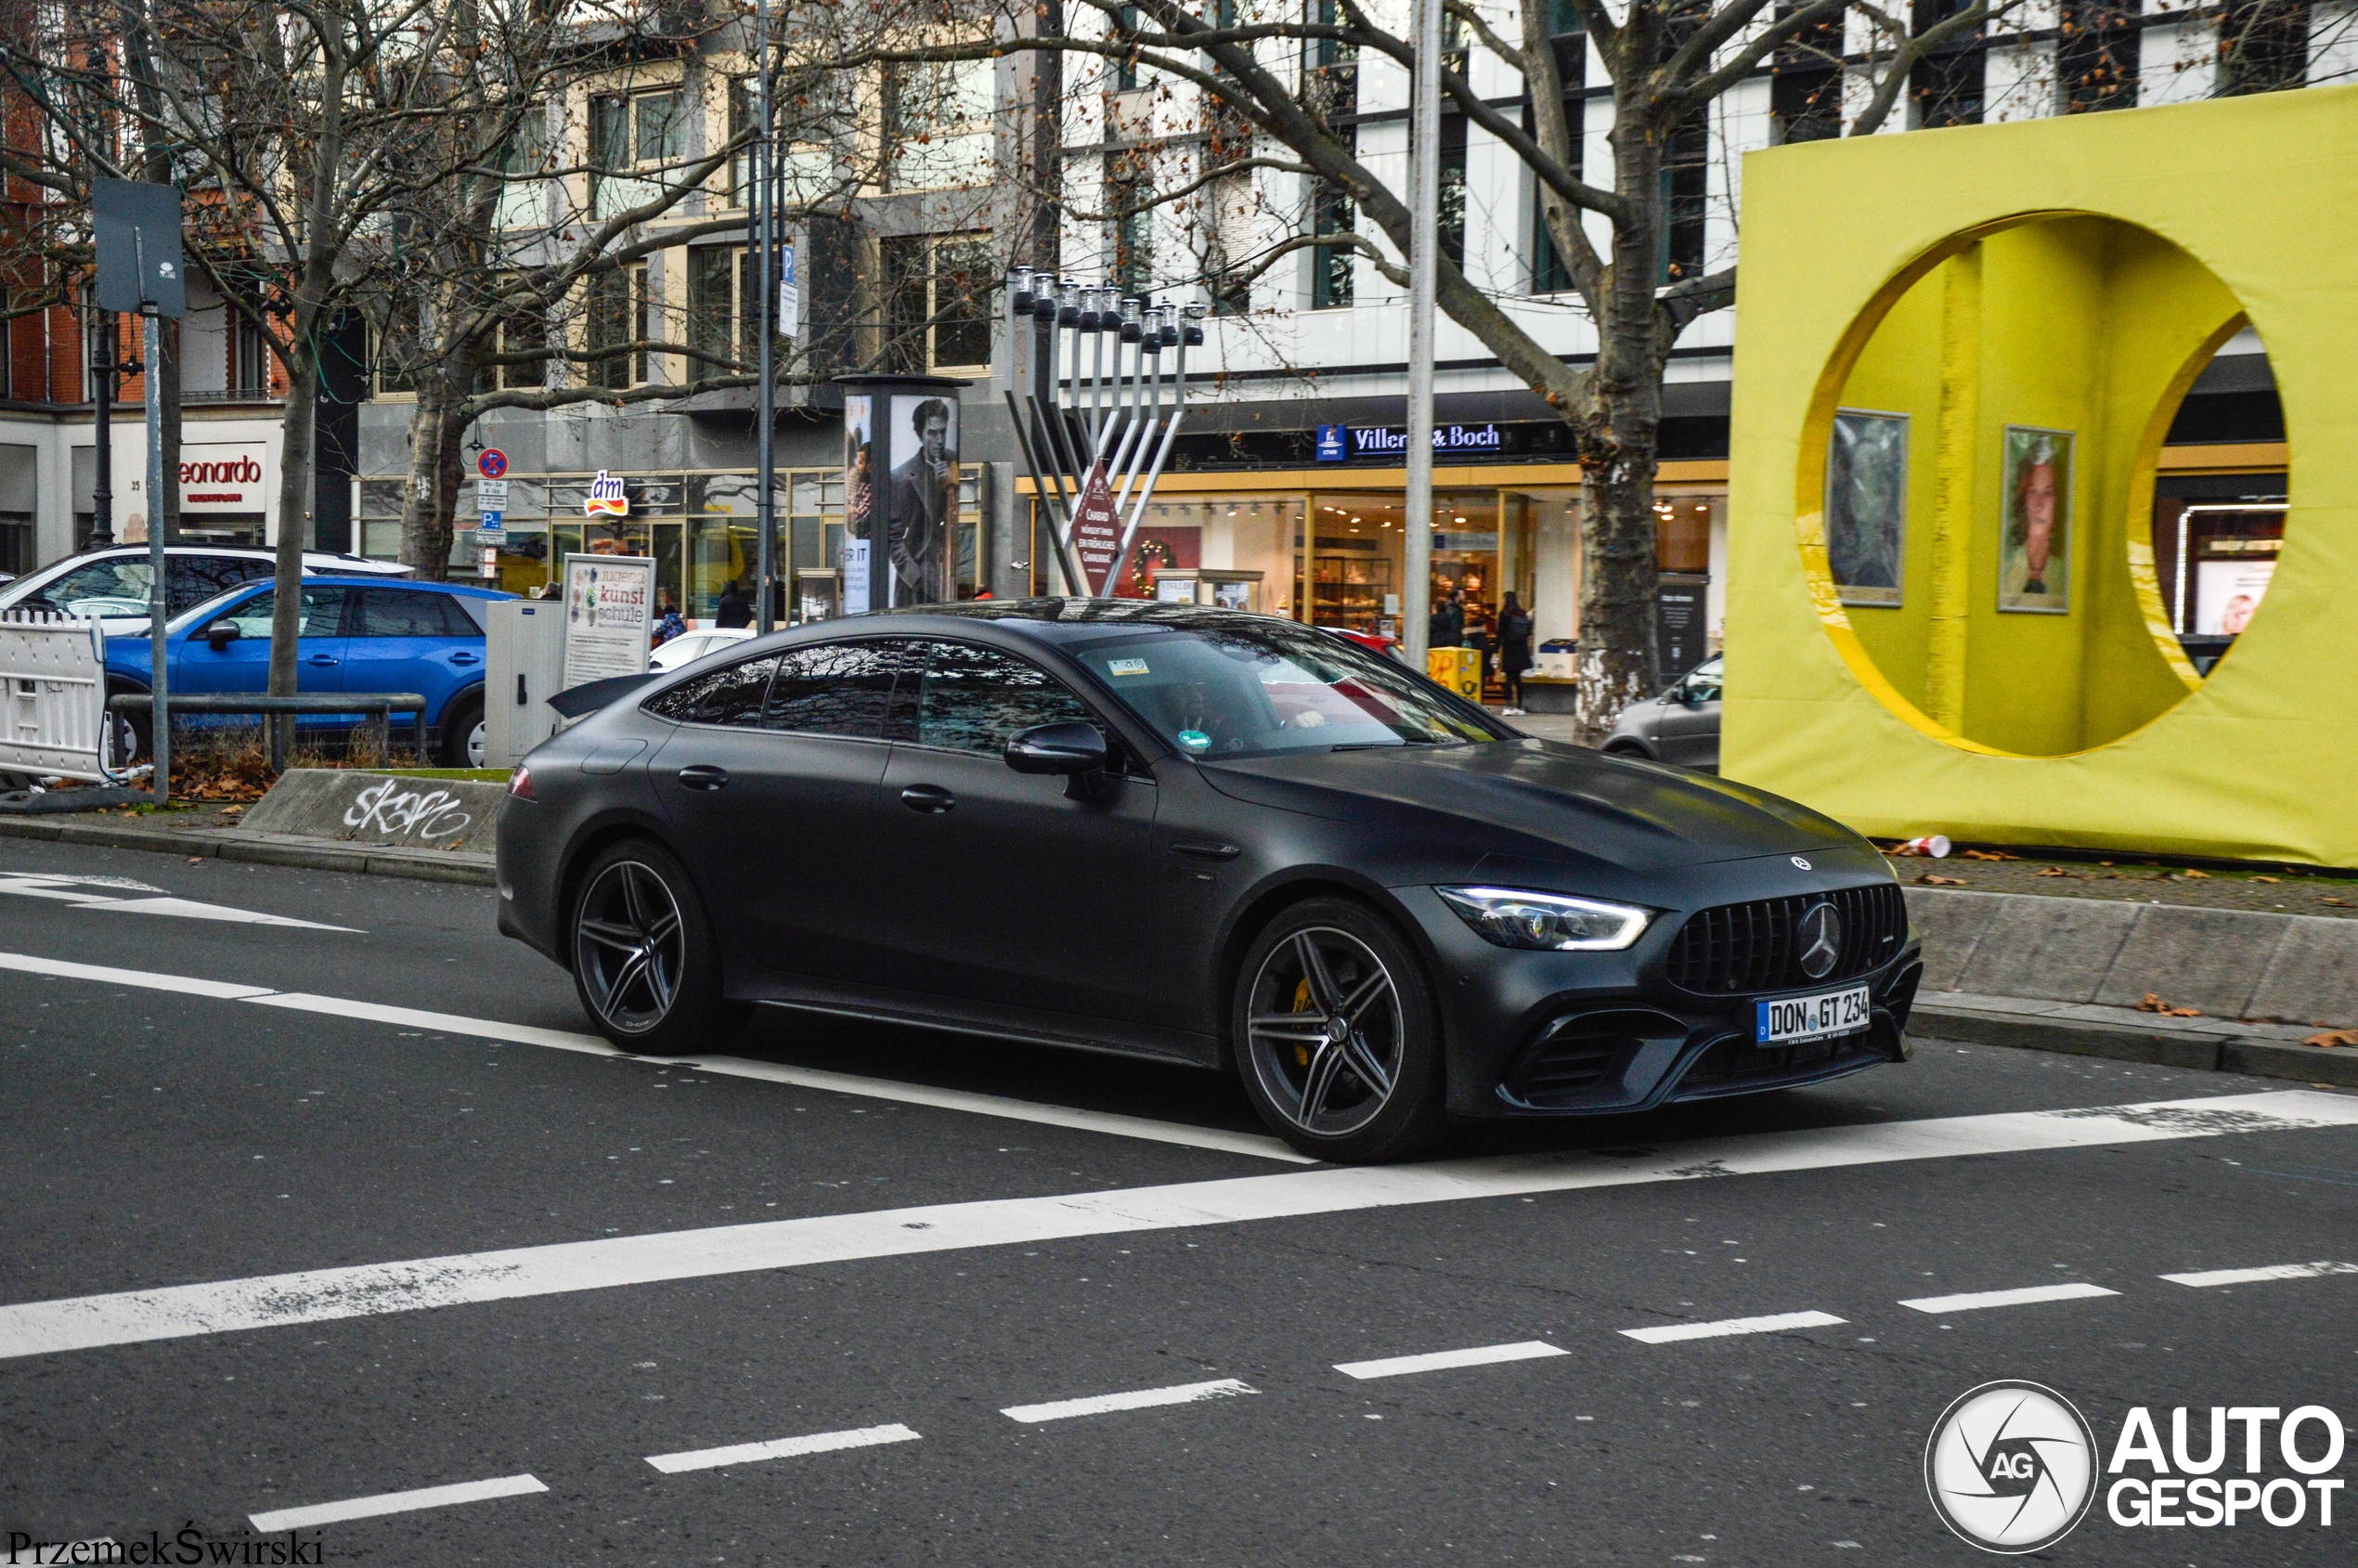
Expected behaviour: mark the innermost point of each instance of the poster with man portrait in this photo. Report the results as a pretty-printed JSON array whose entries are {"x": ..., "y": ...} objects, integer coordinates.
[
  {"x": 2034, "y": 538},
  {"x": 924, "y": 494},
  {"x": 1867, "y": 505}
]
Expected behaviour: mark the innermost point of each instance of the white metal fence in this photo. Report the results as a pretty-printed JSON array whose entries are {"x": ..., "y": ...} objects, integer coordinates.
[{"x": 53, "y": 697}]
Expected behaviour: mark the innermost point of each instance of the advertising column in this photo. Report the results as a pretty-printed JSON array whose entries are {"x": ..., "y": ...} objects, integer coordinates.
[{"x": 899, "y": 491}]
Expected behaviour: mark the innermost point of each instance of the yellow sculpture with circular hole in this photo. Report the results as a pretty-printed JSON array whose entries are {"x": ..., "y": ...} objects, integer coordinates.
[{"x": 1988, "y": 331}]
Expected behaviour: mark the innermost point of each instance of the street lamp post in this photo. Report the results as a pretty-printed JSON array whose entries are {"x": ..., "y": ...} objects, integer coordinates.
[
  {"x": 765, "y": 268},
  {"x": 1424, "y": 245}
]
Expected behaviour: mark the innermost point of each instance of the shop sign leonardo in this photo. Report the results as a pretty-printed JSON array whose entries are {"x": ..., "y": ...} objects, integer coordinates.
[{"x": 609, "y": 601}]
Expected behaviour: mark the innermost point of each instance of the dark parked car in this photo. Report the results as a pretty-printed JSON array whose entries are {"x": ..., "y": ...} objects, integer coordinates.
[
  {"x": 357, "y": 634},
  {"x": 1203, "y": 837},
  {"x": 1681, "y": 726}
]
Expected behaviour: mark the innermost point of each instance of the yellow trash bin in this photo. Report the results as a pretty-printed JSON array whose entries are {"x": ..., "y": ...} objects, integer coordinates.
[{"x": 1457, "y": 668}]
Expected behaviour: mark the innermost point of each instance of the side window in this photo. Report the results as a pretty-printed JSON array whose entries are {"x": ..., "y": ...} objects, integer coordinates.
[
  {"x": 839, "y": 689},
  {"x": 977, "y": 699},
  {"x": 322, "y": 614},
  {"x": 189, "y": 580},
  {"x": 116, "y": 577},
  {"x": 397, "y": 612},
  {"x": 730, "y": 694}
]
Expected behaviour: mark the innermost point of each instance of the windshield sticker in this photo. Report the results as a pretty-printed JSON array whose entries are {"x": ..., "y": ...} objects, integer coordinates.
[
  {"x": 1195, "y": 740},
  {"x": 1125, "y": 667}
]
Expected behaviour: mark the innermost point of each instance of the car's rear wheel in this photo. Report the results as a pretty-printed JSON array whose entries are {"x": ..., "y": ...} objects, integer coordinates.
[
  {"x": 643, "y": 957},
  {"x": 1337, "y": 1038},
  {"x": 462, "y": 732}
]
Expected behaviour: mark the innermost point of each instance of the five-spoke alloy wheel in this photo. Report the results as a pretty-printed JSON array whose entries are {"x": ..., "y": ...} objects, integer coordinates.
[
  {"x": 1335, "y": 1035},
  {"x": 643, "y": 954}
]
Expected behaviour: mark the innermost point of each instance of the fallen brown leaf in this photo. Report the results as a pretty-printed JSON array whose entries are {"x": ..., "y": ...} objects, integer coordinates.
[
  {"x": 2192, "y": 874},
  {"x": 2267, "y": 879},
  {"x": 2154, "y": 1004},
  {"x": 2339, "y": 903},
  {"x": 1929, "y": 880},
  {"x": 2334, "y": 1037},
  {"x": 2051, "y": 871},
  {"x": 1986, "y": 855}
]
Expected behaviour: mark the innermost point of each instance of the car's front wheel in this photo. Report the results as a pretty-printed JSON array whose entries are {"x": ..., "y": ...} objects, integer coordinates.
[
  {"x": 643, "y": 957},
  {"x": 1337, "y": 1037}
]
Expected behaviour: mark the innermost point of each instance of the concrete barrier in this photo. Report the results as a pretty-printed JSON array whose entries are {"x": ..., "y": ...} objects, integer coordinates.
[
  {"x": 391, "y": 808},
  {"x": 2231, "y": 963}
]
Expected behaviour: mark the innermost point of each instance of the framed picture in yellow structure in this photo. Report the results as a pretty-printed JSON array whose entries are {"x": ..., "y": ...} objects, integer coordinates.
[
  {"x": 1982, "y": 631},
  {"x": 2034, "y": 549}
]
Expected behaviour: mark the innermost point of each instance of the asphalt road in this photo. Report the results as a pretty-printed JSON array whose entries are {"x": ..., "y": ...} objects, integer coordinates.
[{"x": 523, "y": 1269}]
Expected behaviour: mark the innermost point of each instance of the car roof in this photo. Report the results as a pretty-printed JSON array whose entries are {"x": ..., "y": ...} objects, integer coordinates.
[
  {"x": 467, "y": 590},
  {"x": 1061, "y": 620}
]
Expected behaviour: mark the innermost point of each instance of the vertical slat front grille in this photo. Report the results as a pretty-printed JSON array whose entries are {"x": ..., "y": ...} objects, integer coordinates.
[{"x": 1749, "y": 947}]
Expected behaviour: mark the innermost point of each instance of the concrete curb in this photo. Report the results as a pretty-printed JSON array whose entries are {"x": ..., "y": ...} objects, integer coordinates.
[
  {"x": 2123, "y": 1034},
  {"x": 262, "y": 849}
]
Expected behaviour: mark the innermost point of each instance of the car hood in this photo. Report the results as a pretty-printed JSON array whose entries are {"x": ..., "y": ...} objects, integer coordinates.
[{"x": 1541, "y": 797}]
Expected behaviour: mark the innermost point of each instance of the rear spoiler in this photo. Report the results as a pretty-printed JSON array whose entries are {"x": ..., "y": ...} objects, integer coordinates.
[{"x": 577, "y": 702}]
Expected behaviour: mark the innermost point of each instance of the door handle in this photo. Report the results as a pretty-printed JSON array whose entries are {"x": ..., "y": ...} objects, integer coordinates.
[
  {"x": 1207, "y": 851},
  {"x": 703, "y": 776},
  {"x": 323, "y": 661},
  {"x": 930, "y": 799},
  {"x": 464, "y": 658}
]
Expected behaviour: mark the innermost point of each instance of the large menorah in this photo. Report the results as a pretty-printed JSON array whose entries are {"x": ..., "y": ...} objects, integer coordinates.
[{"x": 1095, "y": 437}]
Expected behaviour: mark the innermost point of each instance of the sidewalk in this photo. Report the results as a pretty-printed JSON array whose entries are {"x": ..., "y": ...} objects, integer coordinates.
[{"x": 208, "y": 832}]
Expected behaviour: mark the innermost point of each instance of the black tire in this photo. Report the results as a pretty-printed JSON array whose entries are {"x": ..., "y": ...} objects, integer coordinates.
[
  {"x": 1368, "y": 1091},
  {"x": 644, "y": 962},
  {"x": 460, "y": 722},
  {"x": 132, "y": 744}
]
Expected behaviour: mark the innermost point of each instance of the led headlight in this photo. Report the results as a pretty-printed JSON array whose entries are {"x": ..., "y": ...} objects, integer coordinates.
[{"x": 1547, "y": 921}]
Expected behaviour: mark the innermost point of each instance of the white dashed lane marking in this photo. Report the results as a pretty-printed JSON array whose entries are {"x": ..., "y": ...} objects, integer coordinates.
[
  {"x": 780, "y": 1448},
  {"x": 1443, "y": 1360},
  {"x": 370, "y": 1290},
  {"x": 395, "y": 1502},
  {"x": 1136, "y": 1399},
  {"x": 2260, "y": 1275},
  {"x": 1975, "y": 1301},
  {"x": 1671, "y": 1333}
]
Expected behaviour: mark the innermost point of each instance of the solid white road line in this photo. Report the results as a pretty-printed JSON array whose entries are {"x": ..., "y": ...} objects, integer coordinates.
[
  {"x": 186, "y": 985},
  {"x": 1974, "y": 1300},
  {"x": 780, "y": 1448},
  {"x": 79, "y": 892},
  {"x": 1137, "y": 1399},
  {"x": 395, "y": 1502},
  {"x": 364, "y": 1290},
  {"x": 1441, "y": 1360},
  {"x": 1671, "y": 1333},
  {"x": 1221, "y": 1140},
  {"x": 2260, "y": 1275}
]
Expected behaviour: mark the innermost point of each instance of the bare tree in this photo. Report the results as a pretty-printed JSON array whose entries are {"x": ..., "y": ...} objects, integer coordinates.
[{"x": 1666, "y": 62}]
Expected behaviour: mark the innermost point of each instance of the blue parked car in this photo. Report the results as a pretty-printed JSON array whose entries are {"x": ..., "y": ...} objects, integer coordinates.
[{"x": 358, "y": 634}]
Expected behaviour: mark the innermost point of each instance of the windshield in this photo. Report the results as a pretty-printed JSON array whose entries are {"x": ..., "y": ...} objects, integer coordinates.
[
  {"x": 205, "y": 611},
  {"x": 1247, "y": 688}
]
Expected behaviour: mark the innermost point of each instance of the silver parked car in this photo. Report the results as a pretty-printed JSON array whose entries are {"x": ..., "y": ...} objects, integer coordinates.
[
  {"x": 1681, "y": 726},
  {"x": 109, "y": 586}
]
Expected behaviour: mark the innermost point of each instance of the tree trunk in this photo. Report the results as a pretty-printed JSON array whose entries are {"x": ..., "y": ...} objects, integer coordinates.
[
  {"x": 418, "y": 486},
  {"x": 297, "y": 430}
]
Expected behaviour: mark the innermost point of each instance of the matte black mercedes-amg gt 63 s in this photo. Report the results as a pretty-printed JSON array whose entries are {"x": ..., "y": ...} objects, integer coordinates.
[{"x": 1202, "y": 836}]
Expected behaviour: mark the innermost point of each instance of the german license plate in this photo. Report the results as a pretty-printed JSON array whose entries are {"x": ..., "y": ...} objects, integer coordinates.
[{"x": 1787, "y": 1020}]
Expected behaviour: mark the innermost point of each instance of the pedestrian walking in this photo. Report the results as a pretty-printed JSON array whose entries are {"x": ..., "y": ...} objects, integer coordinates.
[
  {"x": 735, "y": 608},
  {"x": 1514, "y": 649}
]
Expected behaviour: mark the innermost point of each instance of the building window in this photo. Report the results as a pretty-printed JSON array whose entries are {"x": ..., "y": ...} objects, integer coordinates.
[
  {"x": 660, "y": 129},
  {"x": 1125, "y": 70},
  {"x": 617, "y": 316},
  {"x": 936, "y": 303},
  {"x": 1686, "y": 194},
  {"x": 2096, "y": 56},
  {"x": 249, "y": 357},
  {"x": 1453, "y": 190},
  {"x": 1130, "y": 197},
  {"x": 1947, "y": 85},
  {"x": 938, "y": 125},
  {"x": 712, "y": 311},
  {"x": 2263, "y": 44},
  {"x": 1805, "y": 84},
  {"x": 1332, "y": 212},
  {"x": 1570, "y": 42},
  {"x": 631, "y": 133},
  {"x": 1329, "y": 66},
  {"x": 521, "y": 341},
  {"x": 743, "y": 101}
]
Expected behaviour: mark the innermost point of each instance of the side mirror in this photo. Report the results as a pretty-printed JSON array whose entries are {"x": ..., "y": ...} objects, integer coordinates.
[
  {"x": 1075, "y": 750},
  {"x": 220, "y": 634}
]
